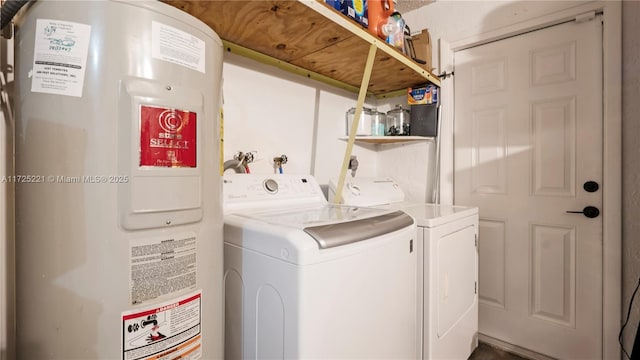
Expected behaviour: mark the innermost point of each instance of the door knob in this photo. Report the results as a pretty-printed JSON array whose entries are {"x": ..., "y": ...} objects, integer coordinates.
[
  {"x": 591, "y": 186},
  {"x": 589, "y": 211}
]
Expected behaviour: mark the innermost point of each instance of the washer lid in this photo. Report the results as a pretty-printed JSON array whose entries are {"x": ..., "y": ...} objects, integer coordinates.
[
  {"x": 431, "y": 215},
  {"x": 335, "y": 225},
  {"x": 328, "y": 236}
]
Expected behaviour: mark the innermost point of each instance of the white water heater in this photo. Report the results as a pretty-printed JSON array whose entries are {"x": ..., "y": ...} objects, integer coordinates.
[{"x": 118, "y": 211}]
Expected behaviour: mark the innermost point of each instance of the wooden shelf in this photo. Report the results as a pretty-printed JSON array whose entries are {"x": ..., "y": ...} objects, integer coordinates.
[
  {"x": 312, "y": 36},
  {"x": 388, "y": 139}
]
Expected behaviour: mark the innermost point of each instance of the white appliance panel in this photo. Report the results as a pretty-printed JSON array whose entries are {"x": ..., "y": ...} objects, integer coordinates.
[
  {"x": 447, "y": 266},
  {"x": 447, "y": 282},
  {"x": 286, "y": 297},
  {"x": 359, "y": 303},
  {"x": 242, "y": 192},
  {"x": 456, "y": 277},
  {"x": 432, "y": 215}
]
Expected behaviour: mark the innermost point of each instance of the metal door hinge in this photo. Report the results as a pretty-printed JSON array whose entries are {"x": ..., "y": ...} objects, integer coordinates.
[
  {"x": 476, "y": 240},
  {"x": 410, "y": 246},
  {"x": 475, "y": 287}
]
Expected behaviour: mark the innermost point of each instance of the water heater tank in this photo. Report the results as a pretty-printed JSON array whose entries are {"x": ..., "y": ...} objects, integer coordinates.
[{"x": 118, "y": 211}]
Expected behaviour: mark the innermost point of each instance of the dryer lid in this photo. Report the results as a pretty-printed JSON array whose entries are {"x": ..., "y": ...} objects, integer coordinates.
[{"x": 432, "y": 215}]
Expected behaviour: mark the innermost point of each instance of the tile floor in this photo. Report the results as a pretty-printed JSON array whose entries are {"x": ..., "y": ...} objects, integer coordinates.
[{"x": 488, "y": 352}]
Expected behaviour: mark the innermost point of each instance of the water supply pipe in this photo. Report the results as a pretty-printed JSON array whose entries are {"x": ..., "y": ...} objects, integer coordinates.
[{"x": 9, "y": 9}]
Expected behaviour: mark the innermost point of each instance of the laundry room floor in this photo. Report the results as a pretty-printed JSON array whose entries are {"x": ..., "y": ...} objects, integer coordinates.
[{"x": 488, "y": 352}]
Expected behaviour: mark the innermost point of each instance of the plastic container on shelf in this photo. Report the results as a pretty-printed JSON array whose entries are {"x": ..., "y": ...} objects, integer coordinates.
[
  {"x": 394, "y": 31},
  {"x": 397, "y": 121},
  {"x": 379, "y": 12}
]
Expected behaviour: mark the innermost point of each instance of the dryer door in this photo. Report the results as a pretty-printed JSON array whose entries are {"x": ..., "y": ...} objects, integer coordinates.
[
  {"x": 456, "y": 277},
  {"x": 451, "y": 257}
]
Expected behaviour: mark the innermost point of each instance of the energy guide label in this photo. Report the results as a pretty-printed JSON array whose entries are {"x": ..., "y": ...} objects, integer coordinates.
[{"x": 167, "y": 330}]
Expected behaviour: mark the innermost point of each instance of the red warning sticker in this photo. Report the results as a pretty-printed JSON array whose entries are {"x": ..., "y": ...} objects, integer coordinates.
[
  {"x": 167, "y": 330},
  {"x": 167, "y": 137}
]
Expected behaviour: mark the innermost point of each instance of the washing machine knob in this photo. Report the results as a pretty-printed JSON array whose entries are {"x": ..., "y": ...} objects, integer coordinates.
[{"x": 271, "y": 186}]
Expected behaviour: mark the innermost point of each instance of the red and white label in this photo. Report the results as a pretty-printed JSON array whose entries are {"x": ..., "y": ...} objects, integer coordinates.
[
  {"x": 169, "y": 330},
  {"x": 167, "y": 137}
]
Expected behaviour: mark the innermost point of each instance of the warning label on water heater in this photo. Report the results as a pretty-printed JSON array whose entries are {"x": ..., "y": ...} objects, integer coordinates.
[
  {"x": 167, "y": 137},
  {"x": 60, "y": 57},
  {"x": 162, "y": 267},
  {"x": 168, "y": 330}
]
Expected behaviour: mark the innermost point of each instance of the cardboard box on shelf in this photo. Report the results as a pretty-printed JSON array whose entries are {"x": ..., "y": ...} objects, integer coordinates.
[
  {"x": 422, "y": 46},
  {"x": 427, "y": 94}
]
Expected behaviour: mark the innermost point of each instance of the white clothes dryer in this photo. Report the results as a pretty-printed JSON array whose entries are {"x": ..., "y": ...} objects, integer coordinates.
[
  {"x": 305, "y": 279},
  {"x": 447, "y": 265}
]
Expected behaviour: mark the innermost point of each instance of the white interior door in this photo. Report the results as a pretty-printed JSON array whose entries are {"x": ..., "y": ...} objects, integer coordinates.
[{"x": 528, "y": 136}]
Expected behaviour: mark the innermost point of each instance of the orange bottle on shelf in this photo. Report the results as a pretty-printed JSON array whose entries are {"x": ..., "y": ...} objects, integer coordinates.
[{"x": 379, "y": 12}]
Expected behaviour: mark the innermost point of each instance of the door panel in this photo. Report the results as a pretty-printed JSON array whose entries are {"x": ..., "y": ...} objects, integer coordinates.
[
  {"x": 528, "y": 135},
  {"x": 491, "y": 275},
  {"x": 553, "y": 274},
  {"x": 488, "y": 163}
]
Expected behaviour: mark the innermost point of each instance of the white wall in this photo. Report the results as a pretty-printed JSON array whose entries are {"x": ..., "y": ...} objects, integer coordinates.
[
  {"x": 457, "y": 20},
  {"x": 274, "y": 112},
  {"x": 411, "y": 164}
]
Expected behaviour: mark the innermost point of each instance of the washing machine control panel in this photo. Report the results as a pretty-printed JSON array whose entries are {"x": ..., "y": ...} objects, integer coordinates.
[
  {"x": 257, "y": 190},
  {"x": 271, "y": 186}
]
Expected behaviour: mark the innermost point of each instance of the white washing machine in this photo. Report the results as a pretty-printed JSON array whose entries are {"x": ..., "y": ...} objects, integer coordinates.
[
  {"x": 305, "y": 279},
  {"x": 447, "y": 265}
]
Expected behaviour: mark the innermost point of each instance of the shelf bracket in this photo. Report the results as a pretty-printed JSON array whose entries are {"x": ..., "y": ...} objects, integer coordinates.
[{"x": 356, "y": 119}]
